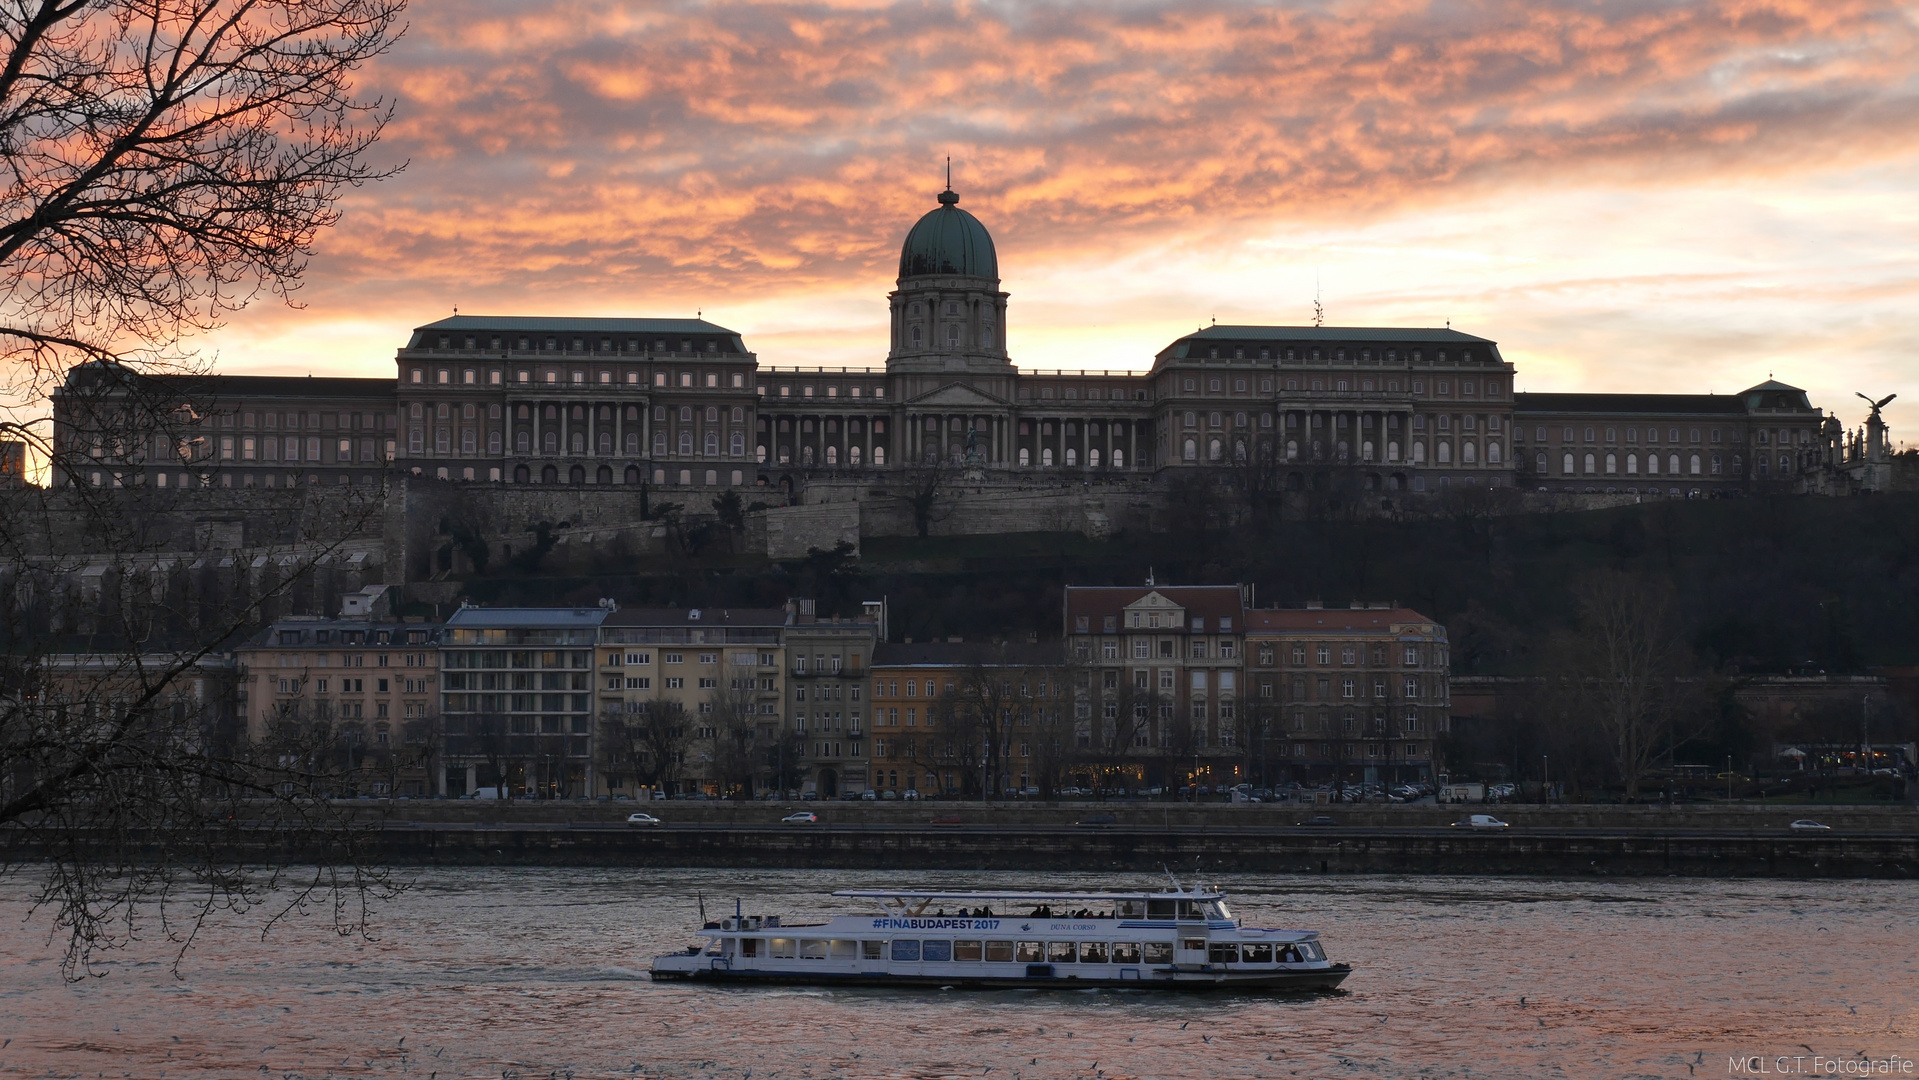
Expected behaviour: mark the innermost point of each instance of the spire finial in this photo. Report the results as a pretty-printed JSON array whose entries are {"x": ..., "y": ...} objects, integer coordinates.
[{"x": 949, "y": 172}]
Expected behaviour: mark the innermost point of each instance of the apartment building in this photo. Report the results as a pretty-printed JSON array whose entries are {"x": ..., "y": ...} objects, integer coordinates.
[
  {"x": 954, "y": 718},
  {"x": 712, "y": 679},
  {"x": 828, "y": 673},
  {"x": 1349, "y": 695},
  {"x": 517, "y": 700},
  {"x": 1164, "y": 670},
  {"x": 371, "y": 677}
]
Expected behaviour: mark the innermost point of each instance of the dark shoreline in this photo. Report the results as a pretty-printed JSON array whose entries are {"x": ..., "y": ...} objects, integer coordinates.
[{"x": 1336, "y": 850}]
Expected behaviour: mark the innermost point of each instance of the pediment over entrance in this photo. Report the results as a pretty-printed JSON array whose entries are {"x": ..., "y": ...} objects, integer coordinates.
[{"x": 958, "y": 397}]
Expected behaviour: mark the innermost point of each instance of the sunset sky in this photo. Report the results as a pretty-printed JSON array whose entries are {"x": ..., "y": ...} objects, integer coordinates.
[{"x": 1626, "y": 196}]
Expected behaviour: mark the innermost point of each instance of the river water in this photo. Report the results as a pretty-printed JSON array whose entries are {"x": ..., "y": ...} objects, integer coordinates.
[{"x": 541, "y": 973}]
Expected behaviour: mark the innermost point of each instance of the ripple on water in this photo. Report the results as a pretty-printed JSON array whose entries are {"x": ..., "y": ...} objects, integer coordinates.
[{"x": 492, "y": 972}]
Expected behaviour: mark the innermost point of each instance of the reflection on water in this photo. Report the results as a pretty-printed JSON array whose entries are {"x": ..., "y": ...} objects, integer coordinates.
[{"x": 537, "y": 973}]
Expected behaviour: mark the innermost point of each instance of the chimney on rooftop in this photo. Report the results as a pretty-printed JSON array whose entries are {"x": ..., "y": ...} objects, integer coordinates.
[{"x": 1315, "y": 605}]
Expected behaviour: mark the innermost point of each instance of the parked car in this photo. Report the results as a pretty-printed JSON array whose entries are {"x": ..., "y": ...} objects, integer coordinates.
[
  {"x": 869, "y": 795},
  {"x": 803, "y": 817},
  {"x": 1479, "y": 821},
  {"x": 810, "y": 796},
  {"x": 647, "y": 821},
  {"x": 1319, "y": 819},
  {"x": 889, "y": 795},
  {"x": 1808, "y": 823},
  {"x": 910, "y": 795}
]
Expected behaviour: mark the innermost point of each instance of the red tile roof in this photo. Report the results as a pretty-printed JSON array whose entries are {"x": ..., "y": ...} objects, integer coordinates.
[{"x": 1211, "y": 601}]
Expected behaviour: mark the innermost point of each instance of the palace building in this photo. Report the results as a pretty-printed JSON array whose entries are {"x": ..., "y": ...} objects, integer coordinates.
[{"x": 685, "y": 403}]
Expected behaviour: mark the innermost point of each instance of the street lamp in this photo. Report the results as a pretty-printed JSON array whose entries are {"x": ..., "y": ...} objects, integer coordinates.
[{"x": 1545, "y": 780}]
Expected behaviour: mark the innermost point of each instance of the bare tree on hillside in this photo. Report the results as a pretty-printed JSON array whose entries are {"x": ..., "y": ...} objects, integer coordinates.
[
  {"x": 1623, "y": 672},
  {"x": 166, "y": 164}
]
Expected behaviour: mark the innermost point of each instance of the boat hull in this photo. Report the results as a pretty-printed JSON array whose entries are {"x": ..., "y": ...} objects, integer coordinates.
[{"x": 1315, "y": 979}]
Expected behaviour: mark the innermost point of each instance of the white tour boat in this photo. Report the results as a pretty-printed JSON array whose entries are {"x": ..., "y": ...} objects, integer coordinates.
[{"x": 1182, "y": 939}]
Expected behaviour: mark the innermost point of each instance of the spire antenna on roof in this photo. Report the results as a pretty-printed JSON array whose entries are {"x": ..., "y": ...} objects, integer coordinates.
[
  {"x": 1319, "y": 310},
  {"x": 949, "y": 172}
]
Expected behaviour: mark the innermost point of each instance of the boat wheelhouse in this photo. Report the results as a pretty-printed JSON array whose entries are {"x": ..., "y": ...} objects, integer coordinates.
[{"x": 1185, "y": 939}]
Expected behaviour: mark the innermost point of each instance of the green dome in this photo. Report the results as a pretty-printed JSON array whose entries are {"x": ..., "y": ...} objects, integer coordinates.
[{"x": 949, "y": 241}]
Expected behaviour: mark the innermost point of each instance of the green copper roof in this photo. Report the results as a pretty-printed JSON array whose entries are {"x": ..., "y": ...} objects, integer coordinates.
[{"x": 949, "y": 241}]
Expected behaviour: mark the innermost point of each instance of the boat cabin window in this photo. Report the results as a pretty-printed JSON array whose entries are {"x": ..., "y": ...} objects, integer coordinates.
[
  {"x": 872, "y": 950},
  {"x": 1218, "y": 910},
  {"x": 1129, "y": 909},
  {"x": 936, "y": 951},
  {"x": 1158, "y": 952},
  {"x": 1031, "y": 952},
  {"x": 749, "y": 946},
  {"x": 1192, "y": 909},
  {"x": 1223, "y": 952},
  {"x": 1125, "y": 952},
  {"x": 999, "y": 952},
  {"x": 967, "y": 950},
  {"x": 720, "y": 947},
  {"x": 1059, "y": 952},
  {"x": 845, "y": 950},
  {"x": 1161, "y": 909},
  {"x": 1309, "y": 950},
  {"x": 812, "y": 949},
  {"x": 1092, "y": 952},
  {"x": 1256, "y": 954},
  {"x": 780, "y": 948},
  {"x": 1193, "y": 944},
  {"x": 904, "y": 949}
]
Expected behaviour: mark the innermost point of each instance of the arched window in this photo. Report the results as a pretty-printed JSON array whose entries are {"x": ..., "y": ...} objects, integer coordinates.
[
  {"x": 523, "y": 442},
  {"x": 1119, "y": 459},
  {"x": 712, "y": 444},
  {"x": 1092, "y": 458},
  {"x": 1046, "y": 456},
  {"x": 686, "y": 443},
  {"x": 1717, "y": 463},
  {"x": 832, "y": 455},
  {"x": 852, "y": 455},
  {"x": 1566, "y": 466},
  {"x": 1539, "y": 462},
  {"x": 1444, "y": 452},
  {"x": 1632, "y": 464},
  {"x": 1292, "y": 449},
  {"x": 1025, "y": 456},
  {"x": 632, "y": 474},
  {"x": 1072, "y": 457},
  {"x": 712, "y": 414},
  {"x": 552, "y": 442},
  {"x": 1365, "y": 450},
  {"x": 760, "y": 453},
  {"x": 1672, "y": 465},
  {"x": 806, "y": 455},
  {"x": 1612, "y": 464},
  {"x": 659, "y": 444},
  {"x": 1191, "y": 448},
  {"x": 579, "y": 442},
  {"x": 737, "y": 447},
  {"x": 492, "y": 443},
  {"x": 606, "y": 444},
  {"x": 1492, "y": 453},
  {"x": 1652, "y": 464},
  {"x": 1392, "y": 450},
  {"x": 1695, "y": 465},
  {"x": 879, "y": 455},
  {"x": 1419, "y": 453},
  {"x": 916, "y": 338},
  {"x": 1785, "y": 464},
  {"x": 1592, "y": 464},
  {"x": 442, "y": 437},
  {"x": 633, "y": 442}
]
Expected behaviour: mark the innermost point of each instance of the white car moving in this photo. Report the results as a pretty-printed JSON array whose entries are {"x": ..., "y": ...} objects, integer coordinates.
[
  {"x": 647, "y": 821},
  {"x": 1479, "y": 821},
  {"x": 804, "y": 817},
  {"x": 1808, "y": 823}
]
